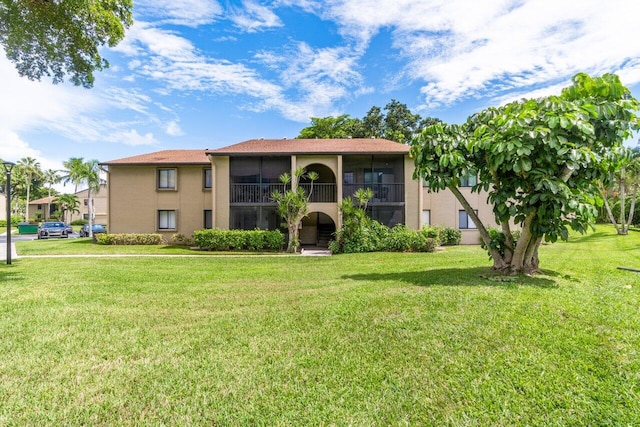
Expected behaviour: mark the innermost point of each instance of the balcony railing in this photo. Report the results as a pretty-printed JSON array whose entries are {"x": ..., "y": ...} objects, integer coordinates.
[
  {"x": 254, "y": 193},
  {"x": 261, "y": 193},
  {"x": 382, "y": 193},
  {"x": 322, "y": 192}
]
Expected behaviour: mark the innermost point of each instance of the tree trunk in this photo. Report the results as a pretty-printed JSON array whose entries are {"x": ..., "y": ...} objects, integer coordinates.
[
  {"x": 89, "y": 208},
  {"x": 509, "y": 243},
  {"x": 292, "y": 246},
  {"x": 609, "y": 212},
  {"x": 518, "y": 261},
  {"x": 623, "y": 196},
  {"x": 632, "y": 208},
  {"x": 498, "y": 261}
]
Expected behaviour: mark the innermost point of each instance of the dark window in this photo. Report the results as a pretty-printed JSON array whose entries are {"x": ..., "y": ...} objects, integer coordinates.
[
  {"x": 469, "y": 180},
  {"x": 207, "y": 179},
  {"x": 464, "y": 221},
  {"x": 208, "y": 219}
]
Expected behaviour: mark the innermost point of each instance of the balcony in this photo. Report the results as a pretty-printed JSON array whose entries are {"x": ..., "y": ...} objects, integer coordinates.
[
  {"x": 252, "y": 194},
  {"x": 382, "y": 193},
  {"x": 322, "y": 192}
]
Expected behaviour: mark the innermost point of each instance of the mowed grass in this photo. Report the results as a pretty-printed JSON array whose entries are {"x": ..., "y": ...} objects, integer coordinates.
[{"x": 366, "y": 339}]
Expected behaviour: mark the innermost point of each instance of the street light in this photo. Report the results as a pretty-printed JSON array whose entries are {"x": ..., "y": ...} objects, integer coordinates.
[{"x": 8, "y": 166}]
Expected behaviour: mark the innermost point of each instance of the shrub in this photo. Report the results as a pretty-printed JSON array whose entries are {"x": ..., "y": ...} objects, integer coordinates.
[
  {"x": 359, "y": 233},
  {"x": 449, "y": 236},
  {"x": 15, "y": 220},
  {"x": 128, "y": 239},
  {"x": 235, "y": 240},
  {"x": 181, "y": 240},
  {"x": 79, "y": 222}
]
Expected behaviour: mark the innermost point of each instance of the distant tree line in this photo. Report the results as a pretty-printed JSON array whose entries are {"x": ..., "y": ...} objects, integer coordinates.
[{"x": 394, "y": 122}]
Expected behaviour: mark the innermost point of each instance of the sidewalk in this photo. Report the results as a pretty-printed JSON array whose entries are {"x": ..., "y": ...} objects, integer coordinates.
[{"x": 3, "y": 249}]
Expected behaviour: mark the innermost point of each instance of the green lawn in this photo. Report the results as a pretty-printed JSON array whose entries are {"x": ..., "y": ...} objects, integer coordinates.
[{"x": 367, "y": 339}]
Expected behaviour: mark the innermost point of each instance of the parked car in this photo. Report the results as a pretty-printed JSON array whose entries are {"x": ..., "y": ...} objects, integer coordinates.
[
  {"x": 97, "y": 228},
  {"x": 69, "y": 228},
  {"x": 52, "y": 229}
]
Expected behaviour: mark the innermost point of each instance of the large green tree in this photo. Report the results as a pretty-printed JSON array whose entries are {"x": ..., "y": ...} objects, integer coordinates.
[
  {"x": 57, "y": 37},
  {"x": 395, "y": 122},
  {"x": 538, "y": 159},
  {"x": 624, "y": 180}
]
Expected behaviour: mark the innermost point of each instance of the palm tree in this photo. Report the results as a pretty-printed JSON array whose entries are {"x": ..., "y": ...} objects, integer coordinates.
[
  {"x": 50, "y": 178},
  {"x": 31, "y": 169},
  {"x": 73, "y": 172},
  {"x": 91, "y": 177},
  {"x": 67, "y": 202}
]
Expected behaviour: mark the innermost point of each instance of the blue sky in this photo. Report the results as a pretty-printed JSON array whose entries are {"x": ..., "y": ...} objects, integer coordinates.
[{"x": 206, "y": 73}]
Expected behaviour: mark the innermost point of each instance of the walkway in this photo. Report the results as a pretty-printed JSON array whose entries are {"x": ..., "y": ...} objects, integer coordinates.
[{"x": 3, "y": 248}]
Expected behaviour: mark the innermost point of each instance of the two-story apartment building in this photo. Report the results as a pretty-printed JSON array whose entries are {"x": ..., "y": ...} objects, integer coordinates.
[
  {"x": 180, "y": 191},
  {"x": 46, "y": 207}
]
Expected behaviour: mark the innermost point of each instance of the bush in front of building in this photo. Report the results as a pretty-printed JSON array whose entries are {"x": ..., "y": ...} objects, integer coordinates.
[
  {"x": 15, "y": 220},
  {"x": 216, "y": 239},
  {"x": 449, "y": 236},
  {"x": 128, "y": 239},
  {"x": 79, "y": 222}
]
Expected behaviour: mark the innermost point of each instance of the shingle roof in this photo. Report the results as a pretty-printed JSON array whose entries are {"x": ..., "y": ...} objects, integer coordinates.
[
  {"x": 43, "y": 200},
  {"x": 266, "y": 147},
  {"x": 312, "y": 146},
  {"x": 165, "y": 157}
]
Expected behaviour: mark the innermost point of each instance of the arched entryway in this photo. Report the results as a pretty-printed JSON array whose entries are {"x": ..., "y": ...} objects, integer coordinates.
[
  {"x": 324, "y": 188},
  {"x": 317, "y": 230}
]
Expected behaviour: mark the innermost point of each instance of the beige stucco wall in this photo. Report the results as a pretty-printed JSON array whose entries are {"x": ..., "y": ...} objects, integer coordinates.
[
  {"x": 220, "y": 174},
  {"x": 135, "y": 200},
  {"x": 100, "y": 203},
  {"x": 444, "y": 209}
]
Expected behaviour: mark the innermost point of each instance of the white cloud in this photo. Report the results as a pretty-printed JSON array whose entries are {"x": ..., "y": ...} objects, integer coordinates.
[
  {"x": 465, "y": 49},
  {"x": 191, "y": 13},
  {"x": 173, "y": 129},
  {"x": 254, "y": 17},
  {"x": 132, "y": 137}
]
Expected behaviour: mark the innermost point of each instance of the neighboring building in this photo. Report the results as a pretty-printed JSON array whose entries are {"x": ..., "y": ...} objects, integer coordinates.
[
  {"x": 46, "y": 207},
  {"x": 180, "y": 191}
]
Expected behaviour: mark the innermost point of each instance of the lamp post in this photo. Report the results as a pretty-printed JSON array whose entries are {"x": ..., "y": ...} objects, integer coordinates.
[{"x": 8, "y": 166}]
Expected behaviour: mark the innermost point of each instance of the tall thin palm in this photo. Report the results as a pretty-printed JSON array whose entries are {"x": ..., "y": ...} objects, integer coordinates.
[
  {"x": 91, "y": 177},
  {"x": 31, "y": 169},
  {"x": 73, "y": 172},
  {"x": 50, "y": 178}
]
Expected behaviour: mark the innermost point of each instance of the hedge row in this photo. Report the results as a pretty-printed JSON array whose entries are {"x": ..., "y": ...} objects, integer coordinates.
[
  {"x": 239, "y": 240},
  {"x": 128, "y": 239},
  {"x": 15, "y": 220},
  {"x": 376, "y": 237}
]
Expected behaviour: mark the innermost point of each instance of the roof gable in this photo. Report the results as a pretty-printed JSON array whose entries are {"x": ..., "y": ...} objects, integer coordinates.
[{"x": 165, "y": 157}]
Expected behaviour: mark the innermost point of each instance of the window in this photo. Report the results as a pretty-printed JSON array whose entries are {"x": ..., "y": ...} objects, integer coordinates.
[
  {"x": 167, "y": 220},
  {"x": 166, "y": 179},
  {"x": 86, "y": 202},
  {"x": 469, "y": 180},
  {"x": 464, "y": 221},
  {"x": 208, "y": 220},
  {"x": 426, "y": 217},
  {"x": 207, "y": 179},
  {"x": 85, "y": 217}
]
